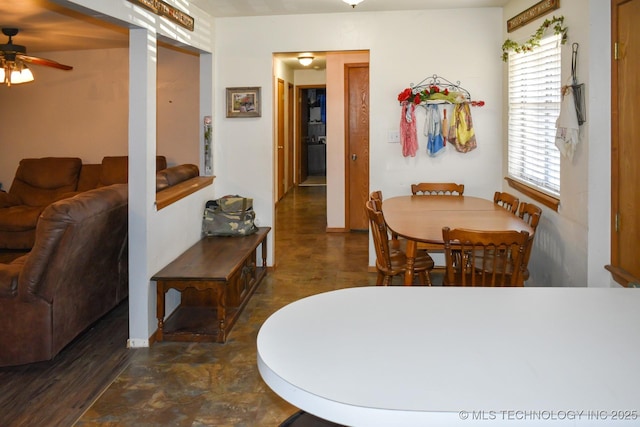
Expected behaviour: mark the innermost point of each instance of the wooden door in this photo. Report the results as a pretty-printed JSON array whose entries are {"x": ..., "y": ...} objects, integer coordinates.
[
  {"x": 280, "y": 142},
  {"x": 357, "y": 144},
  {"x": 290, "y": 107},
  {"x": 625, "y": 155}
]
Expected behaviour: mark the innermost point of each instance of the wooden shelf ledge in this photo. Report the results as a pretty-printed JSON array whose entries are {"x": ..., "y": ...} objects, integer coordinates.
[
  {"x": 176, "y": 192},
  {"x": 539, "y": 196}
]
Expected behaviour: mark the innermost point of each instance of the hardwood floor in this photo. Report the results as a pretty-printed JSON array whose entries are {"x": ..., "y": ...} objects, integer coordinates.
[
  {"x": 57, "y": 392},
  {"x": 96, "y": 381}
]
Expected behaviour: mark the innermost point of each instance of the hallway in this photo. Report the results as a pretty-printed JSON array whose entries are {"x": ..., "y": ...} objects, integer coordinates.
[{"x": 98, "y": 382}]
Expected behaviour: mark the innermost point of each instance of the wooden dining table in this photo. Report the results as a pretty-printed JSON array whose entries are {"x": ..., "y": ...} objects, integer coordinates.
[{"x": 420, "y": 218}]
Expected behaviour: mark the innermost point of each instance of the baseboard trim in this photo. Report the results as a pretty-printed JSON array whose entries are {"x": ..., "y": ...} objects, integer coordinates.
[{"x": 337, "y": 230}]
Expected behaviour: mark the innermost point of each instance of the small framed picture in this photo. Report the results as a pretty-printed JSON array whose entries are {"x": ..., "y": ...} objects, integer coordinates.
[{"x": 243, "y": 102}]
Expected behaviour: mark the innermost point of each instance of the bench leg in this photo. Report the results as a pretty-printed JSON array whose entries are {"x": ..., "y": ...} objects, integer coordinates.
[
  {"x": 264, "y": 251},
  {"x": 160, "y": 309},
  {"x": 222, "y": 314}
]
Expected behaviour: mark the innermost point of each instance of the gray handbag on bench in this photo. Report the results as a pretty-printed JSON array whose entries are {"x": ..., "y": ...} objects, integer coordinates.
[{"x": 229, "y": 216}]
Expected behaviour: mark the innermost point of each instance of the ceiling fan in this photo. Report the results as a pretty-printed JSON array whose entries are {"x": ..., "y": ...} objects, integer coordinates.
[{"x": 13, "y": 59}]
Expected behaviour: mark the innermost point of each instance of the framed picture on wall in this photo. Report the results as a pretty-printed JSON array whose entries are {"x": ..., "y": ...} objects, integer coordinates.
[{"x": 243, "y": 102}]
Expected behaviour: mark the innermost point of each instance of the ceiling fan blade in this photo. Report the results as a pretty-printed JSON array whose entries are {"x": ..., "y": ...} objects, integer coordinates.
[{"x": 43, "y": 61}]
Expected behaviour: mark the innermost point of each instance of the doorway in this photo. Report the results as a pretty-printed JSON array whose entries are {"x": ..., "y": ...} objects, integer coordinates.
[
  {"x": 312, "y": 127},
  {"x": 280, "y": 143},
  {"x": 329, "y": 77}
]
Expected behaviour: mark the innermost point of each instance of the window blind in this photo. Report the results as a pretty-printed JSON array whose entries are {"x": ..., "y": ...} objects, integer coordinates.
[{"x": 534, "y": 106}]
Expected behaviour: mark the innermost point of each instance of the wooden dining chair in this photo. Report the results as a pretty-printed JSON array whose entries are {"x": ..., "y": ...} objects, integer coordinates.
[
  {"x": 434, "y": 189},
  {"x": 392, "y": 262},
  {"x": 531, "y": 214},
  {"x": 507, "y": 201},
  {"x": 437, "y": 188},
  {"x": 489, "y": 258},
  {"x": 376, "y": 196}
]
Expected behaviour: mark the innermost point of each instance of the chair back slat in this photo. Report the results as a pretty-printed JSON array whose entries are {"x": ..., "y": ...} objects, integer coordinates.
[
  {"x": 376, "y": 195},
  {"x": 437, "y": 188},
  {"x": 530, "y": 213},
  {"x": 507, "y": 201}
]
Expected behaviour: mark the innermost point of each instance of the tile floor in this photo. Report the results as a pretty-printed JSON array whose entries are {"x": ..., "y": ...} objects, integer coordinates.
[{"x": 209, "y": 384}]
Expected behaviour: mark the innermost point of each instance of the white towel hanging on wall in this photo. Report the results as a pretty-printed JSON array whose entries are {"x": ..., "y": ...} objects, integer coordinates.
[{"x": 567, "y": 133}]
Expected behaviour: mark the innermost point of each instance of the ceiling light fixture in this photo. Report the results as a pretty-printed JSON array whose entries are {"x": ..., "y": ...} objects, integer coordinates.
[
  {"x": 13, "y": 70},
  {"x": 305, "y": 60},
  {"x": 15, "y": 73},
  {"x": 352, "y": 3}
]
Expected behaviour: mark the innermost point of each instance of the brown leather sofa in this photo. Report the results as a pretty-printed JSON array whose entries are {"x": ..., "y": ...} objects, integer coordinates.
[
  {"x": 37, "y": 184},
  {"x": 76, "y": 272},
  {"x": 40, "y": 182}
]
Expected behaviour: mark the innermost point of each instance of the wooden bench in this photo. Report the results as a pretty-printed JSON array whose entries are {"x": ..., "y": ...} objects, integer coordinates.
[{"x": 216, "y": 278}]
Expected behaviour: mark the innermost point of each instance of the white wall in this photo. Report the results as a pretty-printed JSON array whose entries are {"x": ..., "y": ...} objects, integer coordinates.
[
  {"x": 310, "y": 77},
  {"x": 79, "y": 113},
  {"x": 178, "y": 118},
  {"x": 84, "y": 112},
  {"x": 572, "y": 245},
  {"x": 400, "y": 53}
]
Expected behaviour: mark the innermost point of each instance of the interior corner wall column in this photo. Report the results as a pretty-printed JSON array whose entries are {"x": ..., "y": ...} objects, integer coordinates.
[
  {"x": 598, "y": 127},
  {"x": 142, "y": 153}
]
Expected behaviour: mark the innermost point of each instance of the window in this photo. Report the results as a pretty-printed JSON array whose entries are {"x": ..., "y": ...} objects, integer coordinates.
[{"x": 534, "y": 106}]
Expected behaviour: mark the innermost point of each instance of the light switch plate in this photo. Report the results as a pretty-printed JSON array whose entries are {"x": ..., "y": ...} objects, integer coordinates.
[{"x": 393, "y": 136}]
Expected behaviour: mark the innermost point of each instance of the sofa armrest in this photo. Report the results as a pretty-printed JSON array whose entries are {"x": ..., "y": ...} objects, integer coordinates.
[
  {"x": 7, "y": 200},
  {"x": 177, "y": 174}
]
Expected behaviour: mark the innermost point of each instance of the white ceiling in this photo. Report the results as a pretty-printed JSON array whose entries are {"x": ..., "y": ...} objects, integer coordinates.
[
  {"x": 229, "y": 8},
  {"x": 45, "y": 26}
]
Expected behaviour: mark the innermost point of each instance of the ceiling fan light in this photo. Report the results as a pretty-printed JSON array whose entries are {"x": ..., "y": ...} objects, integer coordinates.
[
  {"x": 21, "y": 76},
  {"x": 352, "y": 3},
  {"x": 305, "y": 60}
]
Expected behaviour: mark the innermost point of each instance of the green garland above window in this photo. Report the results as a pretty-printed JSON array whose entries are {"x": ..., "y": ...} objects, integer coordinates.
[{"x": 534, "y": 41}]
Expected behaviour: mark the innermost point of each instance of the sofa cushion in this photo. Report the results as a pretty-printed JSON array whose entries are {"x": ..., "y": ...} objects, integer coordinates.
[
  {"x": 20, "y": 218},
  {"x": 7, "y": 200},
  {"x": 161, "y": 163},
  {"x": 115, "y": 170},
  {"x": 39, "y": 182},
  {"x": 89, "y": 177}
]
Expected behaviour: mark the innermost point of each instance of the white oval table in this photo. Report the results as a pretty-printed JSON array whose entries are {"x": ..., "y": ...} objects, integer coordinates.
[{"x": 421, "y": 356}]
